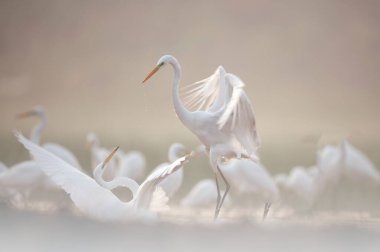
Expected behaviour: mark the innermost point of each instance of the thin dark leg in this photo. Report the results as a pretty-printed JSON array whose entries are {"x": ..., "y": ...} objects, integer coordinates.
[
  {"x": 266, "y": 210},
  {"x": 225, "y": 193},
  {"x": 216, "y": 213}
]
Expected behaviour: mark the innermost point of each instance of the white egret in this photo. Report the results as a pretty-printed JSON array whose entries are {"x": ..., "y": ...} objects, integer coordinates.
[
  {"x": 117, "y": 181},
  {"x": 20, "y": 180},
  {"x": 36, "y": 134},
  {"x": 344, "y": 172},
  {"x": 357, "y": 167},
  {"x": 360, "y": 185},
  {"x": 203, "y": 194},
  {"x": 298, "y": 189},
  {"x": 329, "y": 162},
  {"x": 98, "y": 154},
  {"x": 131, "y": 164},
  {"x": 171, "y": 184},
  {"x": 222, "y": 119},
  {"x": 250, "y": 178},
  {"x": 92, "y": 199}
]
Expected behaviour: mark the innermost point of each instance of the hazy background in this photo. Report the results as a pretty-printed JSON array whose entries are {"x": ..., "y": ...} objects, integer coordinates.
[{"x": 311, "y": 70}]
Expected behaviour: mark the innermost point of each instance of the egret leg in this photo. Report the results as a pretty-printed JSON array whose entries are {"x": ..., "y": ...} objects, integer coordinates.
[
  {"x": 216, "y": 213},
  {"x": 266, "y": 210},
  {"x": 225, "y": 193}
]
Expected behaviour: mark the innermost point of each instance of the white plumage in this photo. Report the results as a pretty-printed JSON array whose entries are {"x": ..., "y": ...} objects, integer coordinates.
[
  {"x": 218, "y": 112},
  {"x": 92, "y": 199},
  {"x": 36, "y": 135},
  {"x": 203, "y": 194}
]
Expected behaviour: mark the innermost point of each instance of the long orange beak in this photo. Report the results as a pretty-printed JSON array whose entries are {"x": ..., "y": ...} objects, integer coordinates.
[
  {"x": 26, "y": 114},
  {"x": 105, "y": 162},
  {"x": 152, "y": 72}
]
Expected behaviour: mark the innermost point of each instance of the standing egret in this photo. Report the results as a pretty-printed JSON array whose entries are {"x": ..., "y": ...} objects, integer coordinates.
[
  {"x": 36, "y": 133},
  {"x": 219, "y": 113},
  {"x": 92, "y": 199}
]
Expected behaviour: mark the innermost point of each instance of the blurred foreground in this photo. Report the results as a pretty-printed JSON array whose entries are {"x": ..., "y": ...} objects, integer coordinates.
[{"x": 26, "y": 231}]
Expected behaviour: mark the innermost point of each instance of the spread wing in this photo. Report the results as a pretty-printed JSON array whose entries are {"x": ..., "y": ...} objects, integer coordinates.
[
  {"x": 147, "y": 188},
  {"x": 92, "y": 199},
  {"x": 239, "y": 117},
  {"x": 63, "y": 153},
  {"x": 207, "y": 94},
  {"x": 223, "y": 93}
]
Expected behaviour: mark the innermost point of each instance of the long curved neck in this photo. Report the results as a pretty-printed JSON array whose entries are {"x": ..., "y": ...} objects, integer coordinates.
[
  {"x": 117, "y": 182},
  {"x": 36, "y": 133},
  {"x": 181, "y": 111}
]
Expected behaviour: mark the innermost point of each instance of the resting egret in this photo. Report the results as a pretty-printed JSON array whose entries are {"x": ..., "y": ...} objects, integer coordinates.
[
  {"x": 361, "y": 179},
  {"x": 91, "y": 198},
  {"x": 250, "y": 178},
  {"x": 203, "y": 194},
  {"x": 345, "y": 172},
  {"x": 298, "y": 189},
  {"x": 222, "y": 119},
  {"x": 20, "y": 180},
  {"x": 171, "y": 184},
  {"x": 329, "y": 162},
  {"x": 130, "y": 164},
  {"x": 357, "y": 167},
  {"x": 36, "y": 133}
]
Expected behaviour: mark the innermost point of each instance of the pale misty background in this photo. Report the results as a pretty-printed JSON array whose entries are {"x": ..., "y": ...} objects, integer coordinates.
[{"x": 311, "y": 70}]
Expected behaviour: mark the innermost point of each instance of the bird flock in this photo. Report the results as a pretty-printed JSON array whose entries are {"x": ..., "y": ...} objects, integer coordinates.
[{"x": 219, "y": 113}]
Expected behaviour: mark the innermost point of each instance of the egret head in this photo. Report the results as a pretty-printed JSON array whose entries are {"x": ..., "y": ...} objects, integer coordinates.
[
  {"x": 105, "y": 162},
  {"x": 35, "y": 111},
  {"x": 164, "y": 60},
  {"x": 177, "y": 150}
]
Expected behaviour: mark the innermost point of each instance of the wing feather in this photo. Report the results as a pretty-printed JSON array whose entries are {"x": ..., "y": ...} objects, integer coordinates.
[
  {"x": 203, "y": 95},
  {"x": 239, "y": 116},
  {"x": 147, "y": 188},
  {"x": 223, "y": 94},
  {"x": 92, "y": 199}
]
